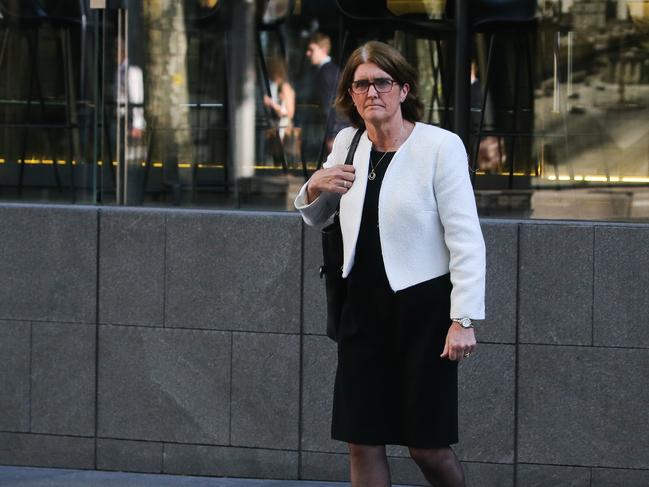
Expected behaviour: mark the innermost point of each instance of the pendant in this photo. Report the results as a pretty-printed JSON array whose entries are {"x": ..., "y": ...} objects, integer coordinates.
[{"x": 371, "y": 176}]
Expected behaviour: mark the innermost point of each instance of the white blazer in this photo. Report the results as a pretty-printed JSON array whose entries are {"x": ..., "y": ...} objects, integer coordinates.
[{"x": 428, "y": 222}]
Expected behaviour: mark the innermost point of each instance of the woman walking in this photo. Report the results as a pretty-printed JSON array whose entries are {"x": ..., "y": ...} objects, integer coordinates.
[{"x": 414, "y": 261}]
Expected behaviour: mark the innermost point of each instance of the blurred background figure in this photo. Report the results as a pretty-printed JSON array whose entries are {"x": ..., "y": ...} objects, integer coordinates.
[
  {"x": 282, "y": 136},
  {"x": 131, "y": 93},
  {"x": 324, "y": 87},
  {"x": 282, "y": 95},
  {"x": 491, "y": 157}
]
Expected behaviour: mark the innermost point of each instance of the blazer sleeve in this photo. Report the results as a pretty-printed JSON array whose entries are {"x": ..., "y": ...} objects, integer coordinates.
[
  {"x": 318, "y": 212},
  {"x": 462, "y": 233}
]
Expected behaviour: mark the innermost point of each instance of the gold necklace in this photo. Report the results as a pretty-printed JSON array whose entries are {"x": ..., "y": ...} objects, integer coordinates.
[{"x": 372, "y": 175}]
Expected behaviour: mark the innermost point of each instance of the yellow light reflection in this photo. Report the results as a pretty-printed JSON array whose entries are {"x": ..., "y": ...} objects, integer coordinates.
[{"x": 635, "y": 180}]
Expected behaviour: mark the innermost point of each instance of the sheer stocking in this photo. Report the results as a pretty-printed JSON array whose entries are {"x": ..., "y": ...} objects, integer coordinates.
[
  {"x": 369, "y": 466},
  {"x": 440, "y": 466}
]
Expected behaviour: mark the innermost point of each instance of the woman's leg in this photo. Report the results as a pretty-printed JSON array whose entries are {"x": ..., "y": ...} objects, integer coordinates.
[
  {"x": 440, "y": 466},
  {"x": 369, "y": 466}
]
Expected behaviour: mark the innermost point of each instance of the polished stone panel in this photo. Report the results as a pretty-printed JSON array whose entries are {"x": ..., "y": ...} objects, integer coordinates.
[
  {"x": 129, "y": 456},
  {"x": 556, "y": 476},
  {"x": 232, "y": 271},
  {"x": 603, "y": 477},
  {"x": 478, "y": 474},
  {"x": 15, "y": 355},
  {"x": 314, "y": 297},
  {"x": 501, "y": 240},
  {"x": 319, "y": 365},
  {"x": 230, "y": 462},
  {"x": 48, "y": 263},
  {"x": 325, "y": 466},
  {"x": 265, "y": 390},
  {"x": 583, "y": 406},
  {"x": 487, "y": 391},
  {"x": 405, "y": 471},
  {"x": 131, "y": 267},
  {"x": 63, "y": 379},
  {"x": 164, "y": 384},
  {"x": 556, "y": 284},
  {"x": 46, "y": 450},
  {"x": 621, "y": 286}
]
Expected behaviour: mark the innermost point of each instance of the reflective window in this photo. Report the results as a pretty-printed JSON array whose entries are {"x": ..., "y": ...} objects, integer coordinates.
[{"x": 200, "y": 104}]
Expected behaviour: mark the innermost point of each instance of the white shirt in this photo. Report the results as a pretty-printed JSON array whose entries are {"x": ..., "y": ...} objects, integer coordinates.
[{"x": 428, "y": 222}]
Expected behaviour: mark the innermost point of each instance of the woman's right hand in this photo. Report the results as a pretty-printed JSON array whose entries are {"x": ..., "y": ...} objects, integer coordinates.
[{"x": 336, "y": 179}]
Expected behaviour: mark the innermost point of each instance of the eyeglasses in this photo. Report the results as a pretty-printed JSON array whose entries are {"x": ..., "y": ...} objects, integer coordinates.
[{"x": 382, "y": 85}]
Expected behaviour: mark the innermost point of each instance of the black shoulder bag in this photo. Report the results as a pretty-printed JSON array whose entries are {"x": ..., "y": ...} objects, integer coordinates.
[{"x": 332, "y": 256}]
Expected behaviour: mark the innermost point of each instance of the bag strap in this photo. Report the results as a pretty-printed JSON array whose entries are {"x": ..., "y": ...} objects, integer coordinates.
[
  {"x": 353, "y": 146},
  {"x": 350, "y": 158}
]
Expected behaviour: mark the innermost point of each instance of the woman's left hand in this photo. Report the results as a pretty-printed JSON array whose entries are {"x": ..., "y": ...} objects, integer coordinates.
[{"x": 460, "y": 342}]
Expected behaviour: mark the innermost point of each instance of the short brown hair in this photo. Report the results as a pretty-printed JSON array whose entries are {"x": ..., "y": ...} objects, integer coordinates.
[
  {"x": 321, "y": 40},
  {"x": 392, "y": 62}
]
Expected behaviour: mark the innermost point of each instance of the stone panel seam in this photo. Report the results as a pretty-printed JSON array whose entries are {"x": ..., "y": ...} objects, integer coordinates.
[
  {"x": 49, "y": 322},
  {"x": 486, "y": 342},
  {"x": 162, "y": 460},
  {"x": 578, "y": 345},
  {"x": 97, "y": 301},
  {"x": 516, "y": 354},
  {"x": 590, "y": 476},
  {"x": 230, "y": 388},
  {"x": 179, "y": 328},
  {"x": 164, "y": 274},
  {"x": 53, "y": 435},
  {"x": 31, "y": 371},
  {"x": 592, "y": 289},
  {"x": 571, "y": 465},
  {"x": 301, "y": 357},
  {"x": 165, "y": 443}
]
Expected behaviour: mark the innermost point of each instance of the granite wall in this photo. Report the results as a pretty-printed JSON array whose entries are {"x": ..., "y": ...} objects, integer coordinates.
[{"x": 191, "y": 342}]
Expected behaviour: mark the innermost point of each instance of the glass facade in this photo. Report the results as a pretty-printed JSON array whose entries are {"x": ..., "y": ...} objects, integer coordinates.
[{"x": 215, "y": 103}]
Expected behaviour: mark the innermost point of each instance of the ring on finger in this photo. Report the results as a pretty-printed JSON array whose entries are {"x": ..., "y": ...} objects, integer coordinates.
[
  {"x": 466, "y": 354},
  {"x": 345, "y": 183}
]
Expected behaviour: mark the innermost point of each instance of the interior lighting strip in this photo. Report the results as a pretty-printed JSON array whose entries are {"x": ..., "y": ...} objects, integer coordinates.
[{"x": 599, "y": 178}]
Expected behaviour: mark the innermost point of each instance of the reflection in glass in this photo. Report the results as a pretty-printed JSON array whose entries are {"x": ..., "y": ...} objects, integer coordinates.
[{"x": 572, "y": 143}]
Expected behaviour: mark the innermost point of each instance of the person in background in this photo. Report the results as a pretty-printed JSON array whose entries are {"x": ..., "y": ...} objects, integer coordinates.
[
  {"x": 282, "y": 95},
  {"x": 414, "y": 263},
  {"x": 490, "y": 148},
  {"x": 281, "y": 102},
  {"x": 325, "y": 81}
]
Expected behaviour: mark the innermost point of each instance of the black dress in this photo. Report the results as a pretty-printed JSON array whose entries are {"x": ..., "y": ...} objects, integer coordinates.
[{"x": 391, "y": 385}]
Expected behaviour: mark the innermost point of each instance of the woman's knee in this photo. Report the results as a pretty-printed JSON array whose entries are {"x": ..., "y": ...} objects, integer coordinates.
[
  {"x": 432, "y": 458},
  {"x": 366, "y": 452}
]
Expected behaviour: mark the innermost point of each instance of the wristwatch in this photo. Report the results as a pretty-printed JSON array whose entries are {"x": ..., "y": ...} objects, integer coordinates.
[{"x": 464, "y": 322}]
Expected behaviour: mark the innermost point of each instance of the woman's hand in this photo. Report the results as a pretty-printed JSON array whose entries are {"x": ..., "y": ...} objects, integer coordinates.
[
  {"x": 460, "y": 342},
  {"x": 336, "y": 179}
]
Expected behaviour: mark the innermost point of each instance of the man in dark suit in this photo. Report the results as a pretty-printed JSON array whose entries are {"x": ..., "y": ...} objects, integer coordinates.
[{"x": 325, "y": 81}]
